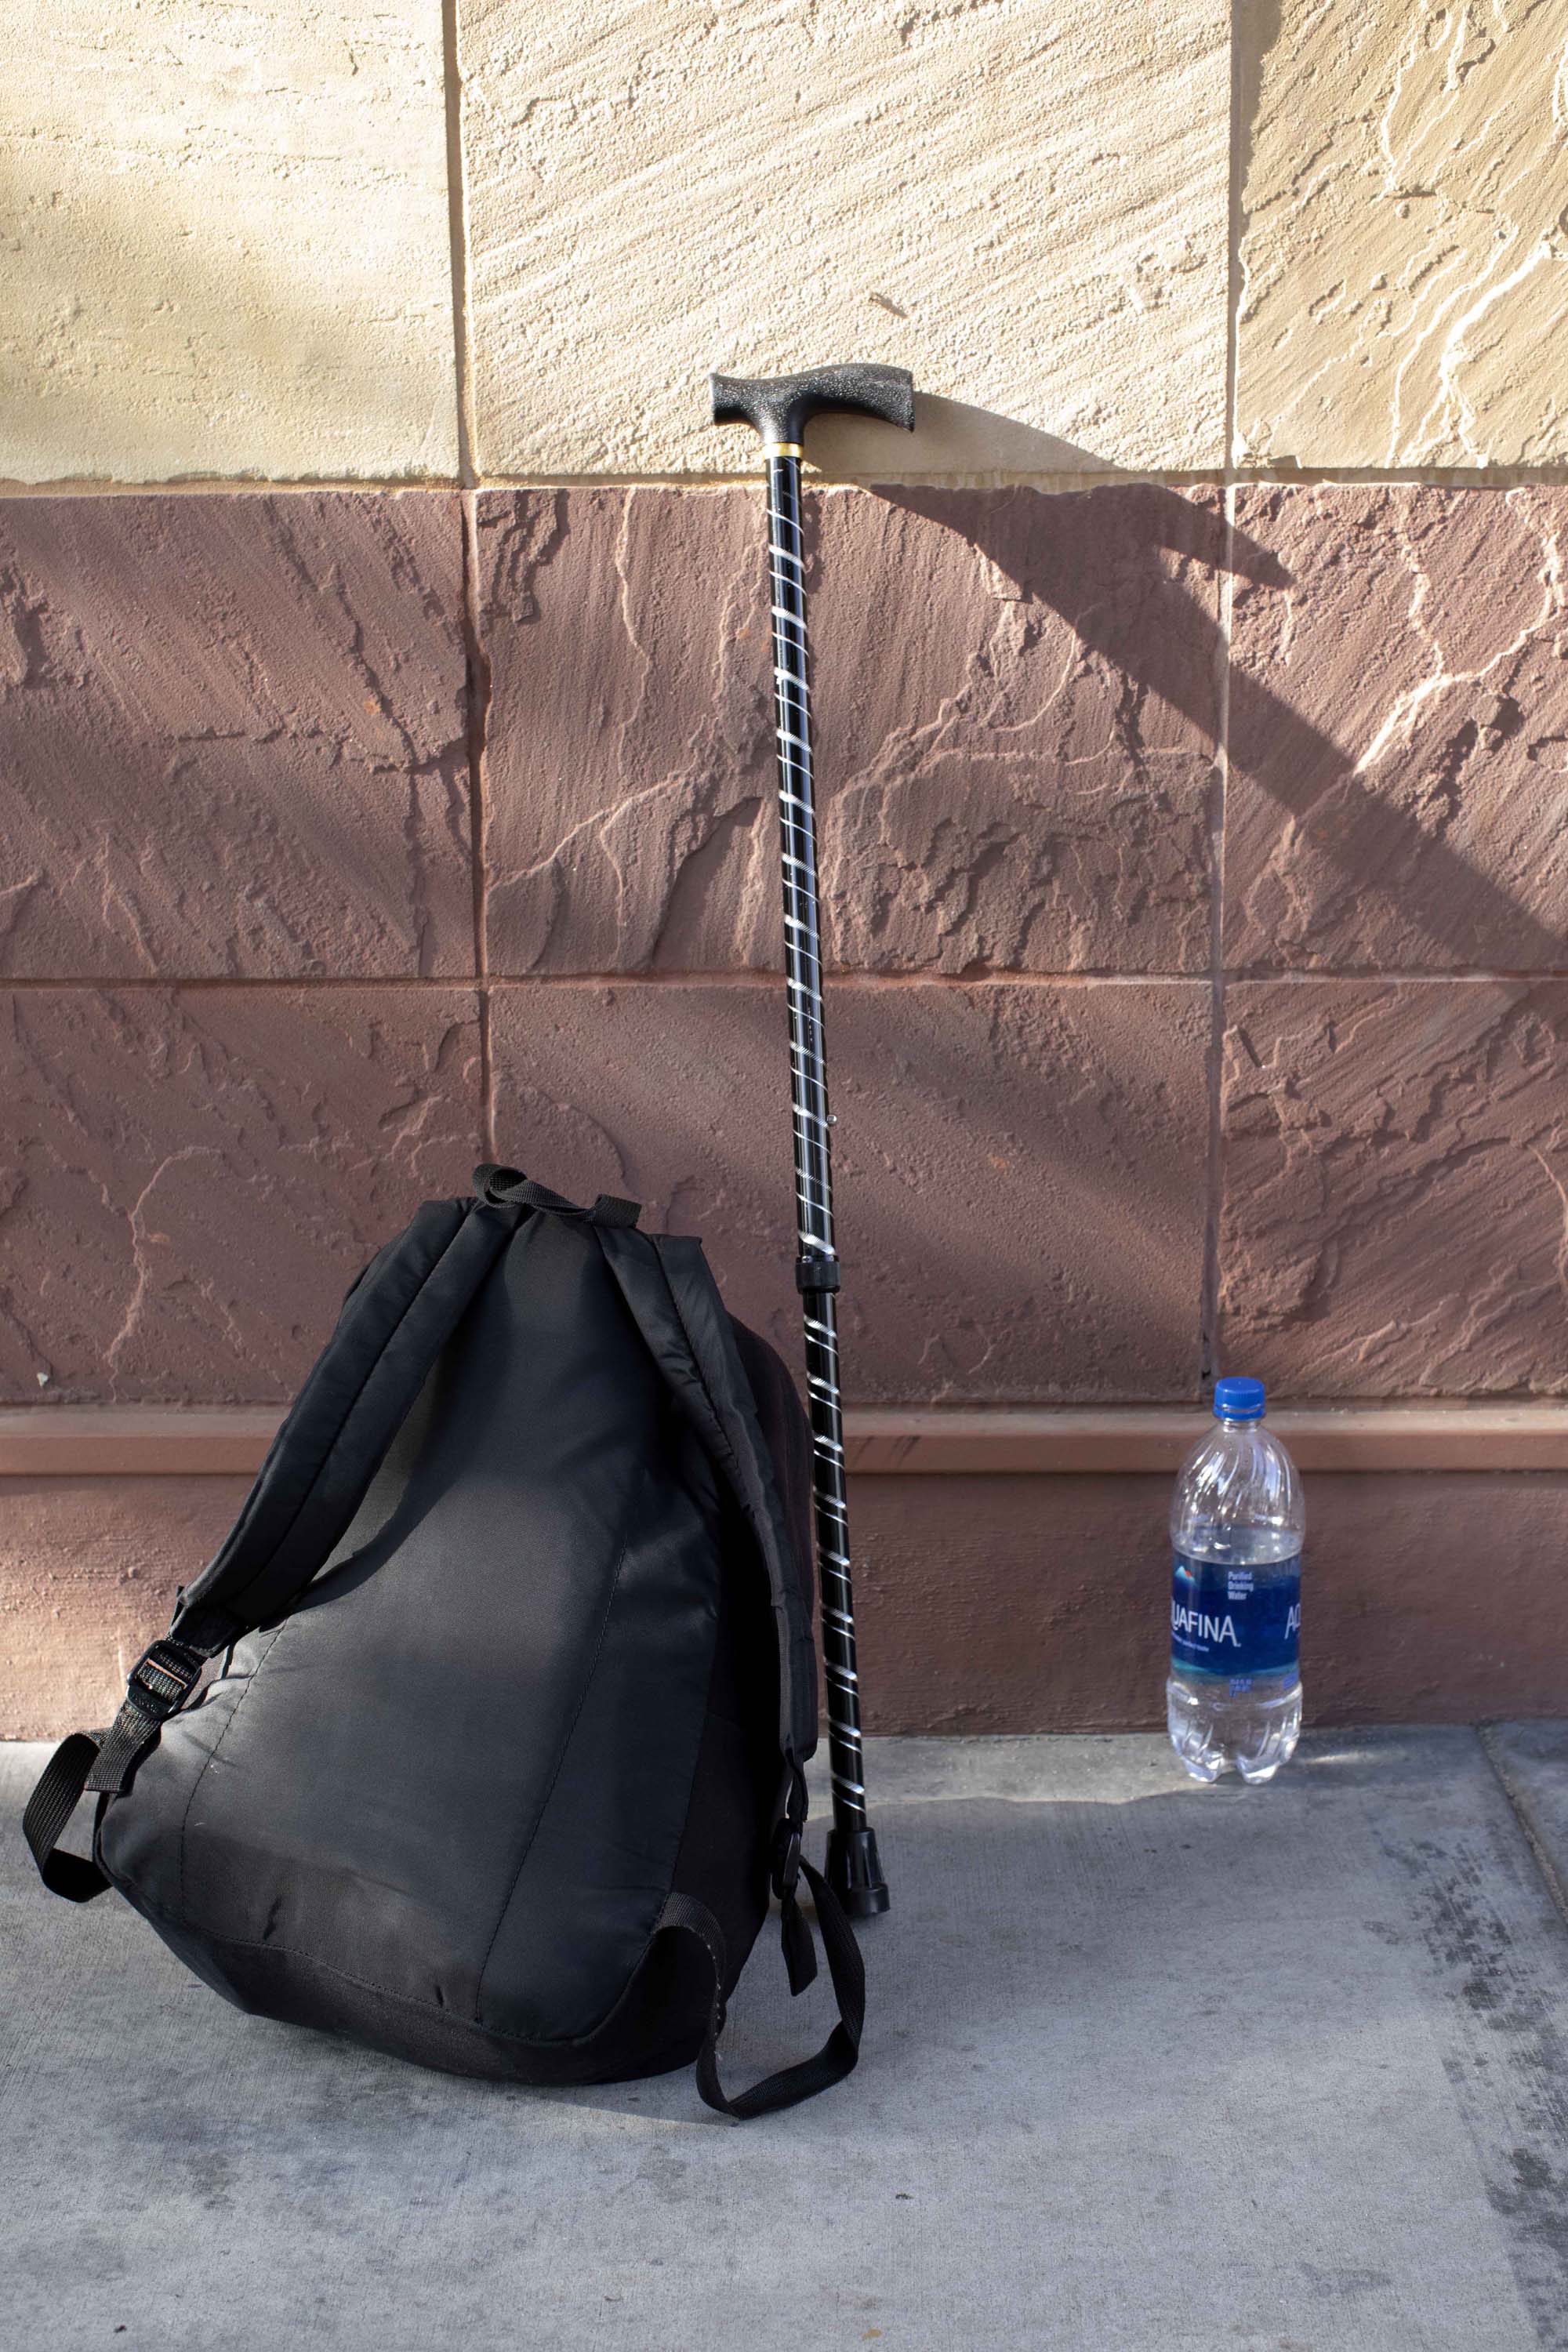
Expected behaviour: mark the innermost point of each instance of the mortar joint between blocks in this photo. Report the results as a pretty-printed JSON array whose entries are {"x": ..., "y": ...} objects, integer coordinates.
[
  {"x": 478, "y": 689},
  {"x": 458, "y": 229},
  {"x": 1213, "y": 1167}
]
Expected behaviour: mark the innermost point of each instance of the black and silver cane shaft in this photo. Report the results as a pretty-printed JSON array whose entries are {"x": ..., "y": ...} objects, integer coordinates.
[
  {"x": 816, "y": 1260},
  {"x": 780, "y": 409}
]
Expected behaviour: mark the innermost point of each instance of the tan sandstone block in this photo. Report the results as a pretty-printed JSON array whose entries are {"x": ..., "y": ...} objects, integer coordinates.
[
  {"x": 1025, "y": 206},
  {"x": 1406, "y": 264},
  {"x": 227, "y": 242}
]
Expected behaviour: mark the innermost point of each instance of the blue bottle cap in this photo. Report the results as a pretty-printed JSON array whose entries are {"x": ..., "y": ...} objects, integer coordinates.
[{"x": 1238, "y": 1400}]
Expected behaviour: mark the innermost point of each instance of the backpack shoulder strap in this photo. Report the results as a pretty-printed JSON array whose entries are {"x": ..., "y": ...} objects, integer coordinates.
[
  {"x": 394, "y": 1324},
  {"x": 669, "y": 1288},
  {"x": 669, "y": 1285}
]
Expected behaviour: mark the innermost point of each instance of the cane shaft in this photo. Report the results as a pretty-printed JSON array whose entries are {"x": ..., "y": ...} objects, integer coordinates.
[{"x": 813, "y": 1132}]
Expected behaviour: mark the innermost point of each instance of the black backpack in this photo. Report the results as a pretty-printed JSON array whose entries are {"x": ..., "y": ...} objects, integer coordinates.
[{"x": 514, "y": 1674}]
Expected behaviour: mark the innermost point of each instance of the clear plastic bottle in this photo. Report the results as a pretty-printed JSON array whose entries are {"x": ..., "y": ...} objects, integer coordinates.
[{"x": 1237, "y": 1521}]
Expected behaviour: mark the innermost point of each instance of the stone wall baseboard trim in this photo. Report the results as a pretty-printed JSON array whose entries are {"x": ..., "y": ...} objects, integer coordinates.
[
  {"x": 993, "y": 1603},
  {"x": 156, "y": 1440},
  {"x": 1051, "y": 481}
]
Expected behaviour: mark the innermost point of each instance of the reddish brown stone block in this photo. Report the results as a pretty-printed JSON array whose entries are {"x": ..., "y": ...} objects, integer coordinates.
[
  {"x": 1020, "y": 1168},
  {"x": 1043, "y": 1604},
  {"x": 1016, "y": 700},
  {"x": 89, "y": 1572},
  {"x": 233, "y": 737},
  {"x": 1398, "y": 796},
  {"x": 1395, "y": 1174},
  {"x": 193, "y": 1176}
]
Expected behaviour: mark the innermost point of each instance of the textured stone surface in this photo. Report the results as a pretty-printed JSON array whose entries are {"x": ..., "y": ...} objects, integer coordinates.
[
  {"x": 1398, "y": 793},
  {"x": 227, "y": 242},
  {"x": 1405, "y": 262},
  {"x": 192, "y": 1177},
  {"x": 1395, "y": 1179},
  {"x": 1028, "y": 211},
  {"x": 1019, "y": 1167},
  {"x": 232, "y": 737},
  {"x": 1016, "y": 707},
  {"x": 89, "y": 1572},
  {"x": 992, "y": 1604}
]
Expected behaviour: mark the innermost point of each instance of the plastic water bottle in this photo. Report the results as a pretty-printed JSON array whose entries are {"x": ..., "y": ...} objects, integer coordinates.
[{"x": 1237, "y": 1521}]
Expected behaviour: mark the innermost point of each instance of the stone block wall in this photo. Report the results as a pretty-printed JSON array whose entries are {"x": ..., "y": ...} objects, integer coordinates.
[{"x": 385, "y": 769}]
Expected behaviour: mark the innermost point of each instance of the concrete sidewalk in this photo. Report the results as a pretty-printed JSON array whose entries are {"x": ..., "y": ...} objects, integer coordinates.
[{"x": 1148, "y": 2068}]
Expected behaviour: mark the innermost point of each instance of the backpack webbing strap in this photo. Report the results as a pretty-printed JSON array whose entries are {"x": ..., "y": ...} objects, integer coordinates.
[
  {"x": 507, "y": 1185},
  {"x": 838, "y": 2054},
  {"x": 49, "y": 1807}
]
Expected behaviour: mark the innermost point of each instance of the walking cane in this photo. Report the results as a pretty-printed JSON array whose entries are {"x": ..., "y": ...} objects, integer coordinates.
[{"x": 781, "y": 408}]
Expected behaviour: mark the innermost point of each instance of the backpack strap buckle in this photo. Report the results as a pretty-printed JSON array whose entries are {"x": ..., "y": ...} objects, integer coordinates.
[
  {"x": 786, "y": 1859},
  {"x": 789, "y": 1827},
  {"x": 161, "y": 1682},
  {"x": 164, "y": 1676}
]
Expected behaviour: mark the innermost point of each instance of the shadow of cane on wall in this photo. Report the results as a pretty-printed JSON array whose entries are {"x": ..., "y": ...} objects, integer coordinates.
[
  {"x": 1329, "y": 804},
  {"x": 950, "y": 437},
  {"x": 1365, "y": 811}
]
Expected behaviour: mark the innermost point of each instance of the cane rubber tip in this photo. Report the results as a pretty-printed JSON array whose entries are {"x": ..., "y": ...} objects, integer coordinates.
[{"x": 854, "y": 1873}]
